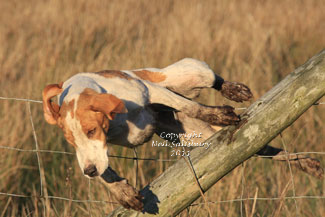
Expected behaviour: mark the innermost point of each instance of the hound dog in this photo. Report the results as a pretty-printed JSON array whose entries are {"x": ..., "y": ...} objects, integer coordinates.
[{"x": 125, "y": 108}]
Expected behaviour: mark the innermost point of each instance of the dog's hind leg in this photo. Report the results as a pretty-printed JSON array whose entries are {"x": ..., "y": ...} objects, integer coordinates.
[
  {"x": 188, "y": 77},
  {"x": 302, "y": 162},
  {"x": 307, "y": 164},
  {"x": 218, "y": 115}
]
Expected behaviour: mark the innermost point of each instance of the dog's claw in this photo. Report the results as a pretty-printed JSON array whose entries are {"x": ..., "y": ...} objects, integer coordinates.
[{"x": 237, "y": 92}]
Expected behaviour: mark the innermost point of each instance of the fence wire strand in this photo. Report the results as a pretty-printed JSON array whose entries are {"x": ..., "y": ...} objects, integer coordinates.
[
  {"x": 36, "y": 150},
  {"x": 43, "y": 188},
  {"x": 89, "y": 201},
  {"x": 146, "y": 159},
  {"x": 291, "y": 174}
]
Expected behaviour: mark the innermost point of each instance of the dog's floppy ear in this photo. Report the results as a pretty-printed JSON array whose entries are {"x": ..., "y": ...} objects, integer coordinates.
[
  {"x": 51, "y": 109},
  {"x": 108, "y": 104}
]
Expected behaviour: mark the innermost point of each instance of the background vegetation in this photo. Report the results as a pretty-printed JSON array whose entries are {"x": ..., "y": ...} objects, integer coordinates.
[{"x": 257, "y": 42}]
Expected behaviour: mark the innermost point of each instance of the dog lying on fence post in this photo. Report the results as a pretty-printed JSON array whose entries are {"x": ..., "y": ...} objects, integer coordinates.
[{"x": 126, "y": 107}]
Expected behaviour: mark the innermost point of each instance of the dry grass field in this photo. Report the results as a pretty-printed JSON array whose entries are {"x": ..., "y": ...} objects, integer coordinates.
[{"x": 257, "y": 42}]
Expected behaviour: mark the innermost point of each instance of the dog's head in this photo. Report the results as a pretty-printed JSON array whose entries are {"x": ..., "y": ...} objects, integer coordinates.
[{"x": 84, "y": 120}]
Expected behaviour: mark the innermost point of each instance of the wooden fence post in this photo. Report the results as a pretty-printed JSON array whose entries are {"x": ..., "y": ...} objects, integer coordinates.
[{"x": 176, "y": 188}]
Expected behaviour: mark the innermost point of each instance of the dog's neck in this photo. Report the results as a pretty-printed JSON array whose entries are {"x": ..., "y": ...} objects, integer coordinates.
[{"x": 75, "y": 87}]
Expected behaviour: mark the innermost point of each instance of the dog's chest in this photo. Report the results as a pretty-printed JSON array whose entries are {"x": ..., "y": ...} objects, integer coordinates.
[{"x": 132, "y": 129}]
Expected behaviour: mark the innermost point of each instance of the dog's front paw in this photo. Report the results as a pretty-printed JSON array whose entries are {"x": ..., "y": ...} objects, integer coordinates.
[
  {"x": 219, "y": 115},
  {"x": 236, "y": 91},
  {"x": 126, "y": 195}
]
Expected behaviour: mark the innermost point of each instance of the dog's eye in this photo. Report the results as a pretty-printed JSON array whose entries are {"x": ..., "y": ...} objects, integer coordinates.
[{"x": 91, "y": 133}]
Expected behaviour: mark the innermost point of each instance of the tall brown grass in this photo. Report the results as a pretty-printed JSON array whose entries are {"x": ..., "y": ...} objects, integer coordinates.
[{"x": 256, "y": 42}]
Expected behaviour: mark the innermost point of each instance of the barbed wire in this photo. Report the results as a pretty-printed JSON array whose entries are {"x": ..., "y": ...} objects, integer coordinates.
[{"x": 136, "y": 158}]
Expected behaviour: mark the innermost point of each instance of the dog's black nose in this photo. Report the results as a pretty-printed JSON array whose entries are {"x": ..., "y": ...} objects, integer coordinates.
[{"x": 91, "y": 170}]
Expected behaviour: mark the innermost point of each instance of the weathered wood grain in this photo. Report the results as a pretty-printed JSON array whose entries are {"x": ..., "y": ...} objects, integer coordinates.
[{"x": 176, "y": 188}]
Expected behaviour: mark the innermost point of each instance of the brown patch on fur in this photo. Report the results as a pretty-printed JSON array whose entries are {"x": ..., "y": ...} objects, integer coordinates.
[
  {"x": 69, "y": 136},
  {"x": 93, "y": 111},
  {"x": 65, "y": 108},
  {"x": 154, "y": 77},
  {"x": 89, "y": 120},
  {"x": 114, "y": 74}
]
